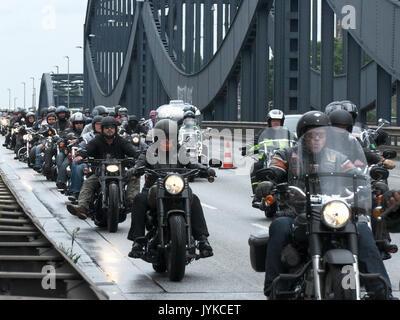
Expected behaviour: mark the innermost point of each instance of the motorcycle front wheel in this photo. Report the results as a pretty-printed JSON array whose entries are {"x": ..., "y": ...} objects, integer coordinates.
[
  {"x": 22, "y": 154},
  {"x": 176, "y": 255},
  {"x": 337, "y": 286},
  {"x": 113, "y": 208}
]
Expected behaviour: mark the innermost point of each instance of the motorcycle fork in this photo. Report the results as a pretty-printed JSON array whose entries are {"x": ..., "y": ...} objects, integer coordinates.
[
  {"x": 188, "y": 216},
  {"x": 353, "y": 247},
  {"x": 315, "y": 250}
]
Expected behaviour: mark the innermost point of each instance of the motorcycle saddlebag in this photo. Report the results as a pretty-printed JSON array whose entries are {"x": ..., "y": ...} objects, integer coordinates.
[{"x": 258, "y": 251}]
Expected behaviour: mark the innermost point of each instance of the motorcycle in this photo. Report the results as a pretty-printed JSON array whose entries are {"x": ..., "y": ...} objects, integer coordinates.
[
  {"x": 379, "y": 175},
  {"x": 269, "y": 141},
  {"x": 23, "y": 152},
  {"x": 328, "y": 201},
  {"x": 49, "y": 151},
  {"x": 108, "y": 206},
  {"x": 4, "y": 123},
  {"x": 169, "y": 244}
]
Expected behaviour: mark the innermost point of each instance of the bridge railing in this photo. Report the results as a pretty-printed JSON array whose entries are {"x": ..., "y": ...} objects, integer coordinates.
[{"x": 394, "y": 132}]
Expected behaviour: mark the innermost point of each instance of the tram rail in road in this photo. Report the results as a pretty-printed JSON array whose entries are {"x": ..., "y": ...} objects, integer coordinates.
[{"x": 31, "y": 266}]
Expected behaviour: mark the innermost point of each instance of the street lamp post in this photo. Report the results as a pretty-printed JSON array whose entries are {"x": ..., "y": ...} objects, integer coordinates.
[
  {"x": 33, "y": 93},
  {"x": 9, "y": 99},
  {"x": 66, "y": 57},
  {"x": 58, "y": 69},
  {"x": 24, "y": 83},
  {"x": 15, "y": 103}
]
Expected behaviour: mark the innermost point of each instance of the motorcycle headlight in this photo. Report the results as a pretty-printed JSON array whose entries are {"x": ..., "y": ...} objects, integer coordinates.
[
  {"x": 136, "y": 140},
  {"x": 336, "y": 214},
  {"x": 25, "y": 137},
  {"x": 174, "y": 184},
  {"x": 112, "y": 168}
]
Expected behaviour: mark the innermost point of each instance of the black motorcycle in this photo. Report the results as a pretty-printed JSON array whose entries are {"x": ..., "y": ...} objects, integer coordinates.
[
  {"x": 169, "y": 244},
  {"x": 108, "y": 206},
  {"x": 321, "y": 262},
  {"x": 50, "y": 151},
  {"x": 379, "y": 175}
]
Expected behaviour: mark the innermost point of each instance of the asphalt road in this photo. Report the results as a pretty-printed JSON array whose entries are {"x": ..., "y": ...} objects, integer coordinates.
[{"x": 231, "y": 219}]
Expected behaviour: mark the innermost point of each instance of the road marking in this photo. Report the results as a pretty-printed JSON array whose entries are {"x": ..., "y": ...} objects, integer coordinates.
[
  {"x": 208, "y": 206},
  {"x": 394, "y": 175},
  {"x": 260, "y": 226}
]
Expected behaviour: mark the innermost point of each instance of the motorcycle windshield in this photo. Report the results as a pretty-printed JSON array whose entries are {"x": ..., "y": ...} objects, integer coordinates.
[
  {"x": 329, "y": 162},
  {"x": 275, "y": 138}
]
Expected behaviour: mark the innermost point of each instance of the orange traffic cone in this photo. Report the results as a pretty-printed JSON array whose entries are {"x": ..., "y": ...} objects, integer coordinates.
[{"x": 228, "y": 161}]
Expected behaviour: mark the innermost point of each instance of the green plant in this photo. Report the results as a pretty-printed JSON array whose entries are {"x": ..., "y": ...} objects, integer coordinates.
[{"x": 69, "y": 252}]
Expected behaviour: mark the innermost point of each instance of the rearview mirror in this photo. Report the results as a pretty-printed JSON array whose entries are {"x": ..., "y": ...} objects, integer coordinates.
[
  {"x": 378, "y": 173},
  {"x": 383, "y": 122},
  {"x": 389, "y": 154}
]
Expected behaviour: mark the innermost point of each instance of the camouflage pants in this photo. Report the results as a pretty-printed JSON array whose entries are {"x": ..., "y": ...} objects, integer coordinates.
[{"x": 91, "y": 184}]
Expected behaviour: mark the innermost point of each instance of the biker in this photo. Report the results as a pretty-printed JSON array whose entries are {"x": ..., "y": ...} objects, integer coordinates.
[
  {"x": 29, "y": 123},
  {"x": 122, "y": 115},
  {"x": 51, "y": 120},
  {"x": 106, "y": 145},
  {"x": 77, "y": 168},
  {"x": 63, "y": 123},
  {"x": 284, "y": 165},
  {"x": 370, "y": 151},
  {"x": 167, "y": 131},
  {"x": 189, "y": 119},
  {"x": 151, "y": 122},
  {"x": 71, "y": 136},
  {"x": 13, "y": 120},
  {"x": 275, "y": 120},
  {"x": 132, "y": 126},
  {"x": 97, "y": 111}
]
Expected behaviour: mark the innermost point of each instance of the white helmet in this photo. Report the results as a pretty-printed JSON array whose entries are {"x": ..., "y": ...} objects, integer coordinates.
[{"x": 275, "y": 114}]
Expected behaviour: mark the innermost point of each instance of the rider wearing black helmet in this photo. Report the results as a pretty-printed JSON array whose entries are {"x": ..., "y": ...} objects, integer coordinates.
[
  {"x": 97, "y": 111},
  {"x": 63, "y": 123},
  {"x": 314, "y": 152},
  {"x": 106, "y": 145},
  {"x": 166, "y": 137},
  {"x": 77, "y": 166}
]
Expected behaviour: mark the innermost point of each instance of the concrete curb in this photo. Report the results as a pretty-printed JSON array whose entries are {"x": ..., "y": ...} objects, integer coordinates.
[{"x": 57, "y": 234}]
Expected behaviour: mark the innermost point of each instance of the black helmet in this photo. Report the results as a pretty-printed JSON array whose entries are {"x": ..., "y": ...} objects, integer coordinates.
[
  {"x": 95, "y": 120},
  {"x": 99, "y": 110},
  {"x": 61, "y": 109},
  {"x": 311, "y": 119},
  {"x": 51, "y": 115},
  {"x": 275, "y": 114},
  {"x": 335, "y": 105},
  {"x": 189, "y": 114},
  {"x": 341, "y": 118},
  {"x": 133, "y": 120},
  {"x": 122, "y": 111},
  {"x": 168, "y": 127},
  {"x": 109, "y": 121},
  {"x": 351, "y": 108}
]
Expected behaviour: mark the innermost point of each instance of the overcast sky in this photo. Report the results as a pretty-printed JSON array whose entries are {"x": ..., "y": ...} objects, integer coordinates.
[{"x": 35, "y": 36}]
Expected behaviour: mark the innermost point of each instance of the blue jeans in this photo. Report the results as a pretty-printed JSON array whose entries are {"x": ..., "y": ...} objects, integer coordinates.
[
  {"x": 76, "y": 177},
  {"x": 280, "y": 235},
  {"x": 62, "y": 165},
  {"x": 39, "y": 157}
]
